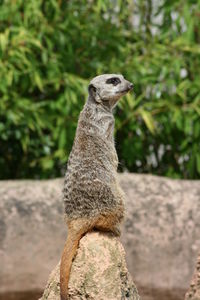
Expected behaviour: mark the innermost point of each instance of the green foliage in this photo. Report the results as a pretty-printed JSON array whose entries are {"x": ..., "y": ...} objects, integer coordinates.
[{"x": 50, "y": 49}]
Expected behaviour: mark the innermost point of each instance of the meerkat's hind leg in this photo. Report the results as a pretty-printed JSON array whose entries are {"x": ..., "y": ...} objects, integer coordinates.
[
  {"x": 114, "y": 230},
  {"x": 108, "y": 223}
]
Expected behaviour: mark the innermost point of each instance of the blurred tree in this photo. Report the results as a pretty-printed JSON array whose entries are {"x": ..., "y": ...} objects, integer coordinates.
[{"x": 50, "y": 49}]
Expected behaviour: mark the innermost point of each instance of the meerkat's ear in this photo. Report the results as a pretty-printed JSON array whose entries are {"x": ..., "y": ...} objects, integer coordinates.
[
  {"x": 92, "y": 90},
  {"x": 93, "y": 93}
]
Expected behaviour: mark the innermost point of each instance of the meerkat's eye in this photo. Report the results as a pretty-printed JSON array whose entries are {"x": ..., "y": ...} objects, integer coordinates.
[{"x": 113, "y": 80}]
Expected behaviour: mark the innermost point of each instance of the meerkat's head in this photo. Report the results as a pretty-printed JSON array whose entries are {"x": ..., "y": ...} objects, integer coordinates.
[{"x": 107, "y": 89}]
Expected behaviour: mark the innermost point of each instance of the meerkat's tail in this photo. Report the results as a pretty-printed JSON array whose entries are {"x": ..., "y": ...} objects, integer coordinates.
[
  {"x": 68, "y": 254},
  {"x": 76, "y": 229}
]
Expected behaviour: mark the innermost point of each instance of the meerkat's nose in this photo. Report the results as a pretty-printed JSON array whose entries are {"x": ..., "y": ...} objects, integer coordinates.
[{"x": 130, "y": 86}]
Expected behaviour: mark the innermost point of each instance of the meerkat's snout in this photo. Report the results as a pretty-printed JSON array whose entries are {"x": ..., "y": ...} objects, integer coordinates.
[{"x": 130, "y": 86}]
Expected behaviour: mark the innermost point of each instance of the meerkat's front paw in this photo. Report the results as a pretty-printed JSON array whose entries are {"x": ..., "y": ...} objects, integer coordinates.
[{"x": 116, "y": 231}]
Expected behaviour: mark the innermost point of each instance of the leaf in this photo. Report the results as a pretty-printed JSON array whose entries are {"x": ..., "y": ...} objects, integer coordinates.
[
  {"x": 38, "y": 81},
  {"x": 47, "y": 163},
  {"x": 4, "y": 40},
  {"x": 62, "y": 139},
  {"x": 148, "y": 120}
]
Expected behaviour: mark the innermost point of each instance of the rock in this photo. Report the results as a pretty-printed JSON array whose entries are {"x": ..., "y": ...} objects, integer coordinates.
[
  {"x": 160, "y": 233},
  {"x": 194, "y": 290},
  {"x": 98, "y": 272}
]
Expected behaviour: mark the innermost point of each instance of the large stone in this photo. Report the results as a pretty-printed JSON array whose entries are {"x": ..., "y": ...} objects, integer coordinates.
[
  {"x": 98, "y": 272},
  {"x": 160, "y": 234}
]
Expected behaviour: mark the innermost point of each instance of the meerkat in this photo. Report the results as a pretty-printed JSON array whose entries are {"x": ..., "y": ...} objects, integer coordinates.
[{"x": 92, "y": 196}]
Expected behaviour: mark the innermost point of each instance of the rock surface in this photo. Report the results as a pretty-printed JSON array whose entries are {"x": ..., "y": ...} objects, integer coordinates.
[
  {"x": 194, "y": 290},
  {"x": 160, "y": 234},
  {"x": 98, "y": 272}
]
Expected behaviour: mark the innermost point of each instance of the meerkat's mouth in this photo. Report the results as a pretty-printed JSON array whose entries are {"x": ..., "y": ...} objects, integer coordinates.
[{"x": 125, "y": 91}]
